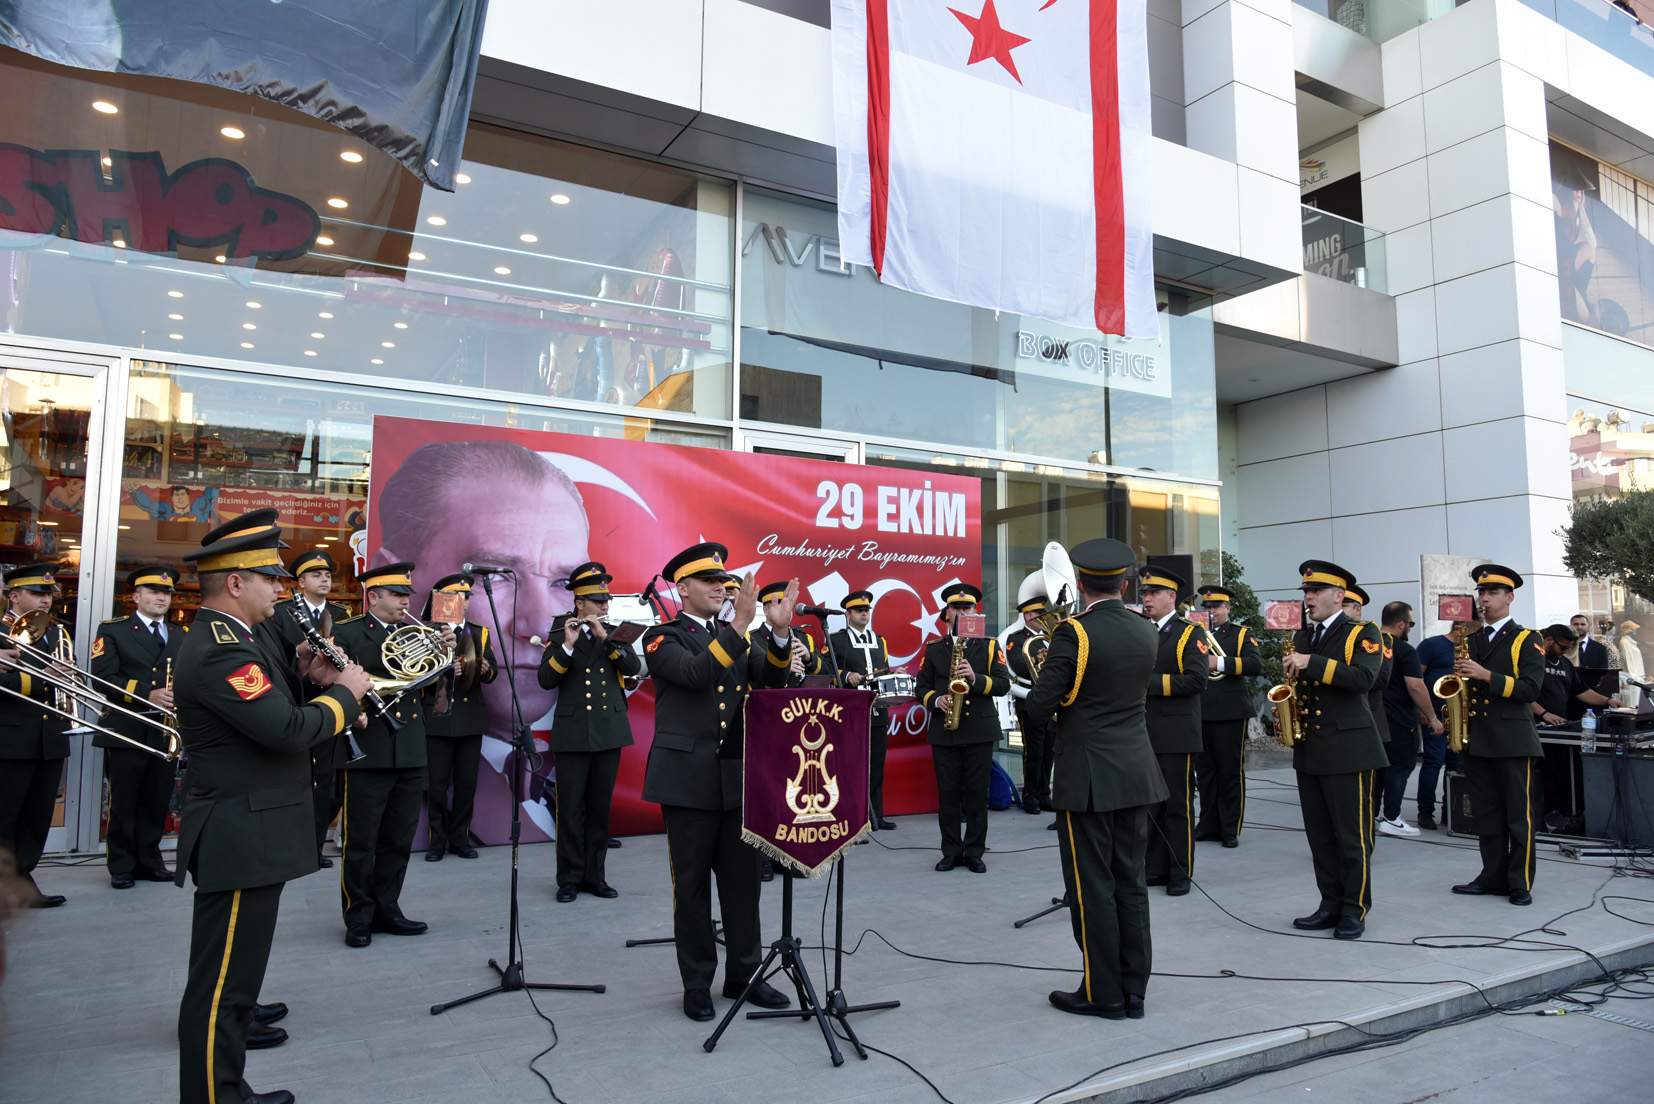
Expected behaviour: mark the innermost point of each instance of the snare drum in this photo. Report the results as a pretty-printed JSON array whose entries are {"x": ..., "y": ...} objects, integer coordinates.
[{"x": 892, "y": 689}]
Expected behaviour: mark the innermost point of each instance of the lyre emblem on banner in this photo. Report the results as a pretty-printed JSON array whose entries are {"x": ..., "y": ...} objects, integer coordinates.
[{"x": 818, "y": 788}]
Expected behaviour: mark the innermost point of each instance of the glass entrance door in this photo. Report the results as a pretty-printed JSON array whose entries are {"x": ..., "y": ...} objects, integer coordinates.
[
  {"x": 799, "y": 444},
  {"x": 51, "y": 431}
]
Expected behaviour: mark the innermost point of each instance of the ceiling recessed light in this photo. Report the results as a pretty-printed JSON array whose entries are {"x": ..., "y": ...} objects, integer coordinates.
[
  {"x": 175, "y": 337},
  {"x": 559, "y": 199},
  {"x": 310, "y": 352},
  {"x": 175, "y": 317},
  {"x": 119, "y": 244},
  {"x": 246, "y": 344},
  {"x": 108, "y": 163},
  {"x": 529, "y": 238},
  {"x": 501, "y": 270},
  {"x": 220, "y": 258},
  {"x": 232, "y": 132},
  {"x": 176, "y": 294},
  {"x": 253, "y": 305},
  {"x": 319, "y": 336},
  {"x": 352, "y": 156},
  {"x": 105, "y": 107},
  {"x": 400, "y": 325},
  {"x": 337, "y": 202},
  {"x": 437, "y": 220},
  {"x": 376, "y": 360},
  {"x": 461, "y": 178},
  {"x": 324, "y": 240},
  {"x": 325, "y": 314},
  {"x": 248, "y": 326},
  {"x": 416, "y": 256},
  {"x": 388, "y": 344}
]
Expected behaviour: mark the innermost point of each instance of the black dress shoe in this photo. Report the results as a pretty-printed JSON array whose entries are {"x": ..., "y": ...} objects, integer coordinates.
[
  {"x": 158, "y": 874},
  {"x": 326, "y": 864},
  {"x": 464, "y": 851},
  {"x": 764, "y": 995},
  {"x": 1427, "y": 822},
  {"x": 946, "y": 863},
  {"x": 1052, "y": 827},
  {"x": 399, "y": 925},
  {"x": 567, "y": 893},
  {"x": 976, "y": 865},
  {"x": 434, "y": 855},
  {"x": 1134, "y": 1007},
  {"x": 885, "y": 825},
  {"x": 1521, "y": 897},
  {"x": 358, "y": 935},
  {"x": 1230, "y": 841},
  {"x": 1205, "y": 837},
  {"x": 280, "y": 1096},
  {"x": 1157, "y": 880},
  {"x": 1030, "y": 805},
  {"x": 613, "y": 842},
  {"x": 766, "y": 872},
  {"x": 1178, "y": 889},
  {"x": 697, "y": 1004},
  {"x": 1349, "y": 928},
  {"x": 269, "y": 1013},
  {"x": 1319, "y": 920},
  {"x": 1477, "y": 889},
  {"x": 1077, "y": 1004},
  {"x": 601, "y": 889},
  {"x": 121, "y": 881},
  {"x": 263, "y": 1037}
]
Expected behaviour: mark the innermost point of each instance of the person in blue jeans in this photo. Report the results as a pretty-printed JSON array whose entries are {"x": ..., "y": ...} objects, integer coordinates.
[{"x": 1436, "y": 657}]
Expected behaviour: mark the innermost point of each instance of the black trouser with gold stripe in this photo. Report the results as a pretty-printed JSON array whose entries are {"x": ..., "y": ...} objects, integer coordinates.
[
  {"x": 1102, "y": 874},
  {"x": 962, "y": 775},
  {"x": 1220, "y": 771},
  {"x": 381, "y": 815},
  {"x": 451, "y": 760},
  {"x": 585, "y": 794},
  {"x": 229, "y": 948},
  {"x": 701, "y": 844},
  {"x": 325, "y": 788},
  {"x": 1338, "y": 819},
  {"x": 1504, "y": 796},
  {"x": 1039, "y": 748},
  {"x": 140, "y": 789},
  {"x": 1171, "y": 851}
]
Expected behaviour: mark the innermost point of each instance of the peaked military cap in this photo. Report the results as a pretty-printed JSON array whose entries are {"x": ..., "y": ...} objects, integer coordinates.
[
  {"x": 38, "y": 578},
  {"x": 251, "y": 542},
  {"x": 1213, "y": 595},
  {"x": 731, "y": 585},
  {"x": 858, "y": 599},
  {"x": 452, "y": 584},
  {"x": 1495, "y": 575},
  {"x": 1155, "y": 577},
  {"x": 396, "y": 578},
  {"x": 1356, "y": 594},
  {"x": 591, "y": 581},
  {"x": 1103, "y": 557},
  {"x": 161, "y": 577},
  {"x": 962, "y": 594},
  {"x": 1035, "y": 604},
  {"x": 698, "y": 560},
  {"x": 772, "y": 590},
  {"x": 1324, "y": 573},
  {"x": 317, "y": 559}
]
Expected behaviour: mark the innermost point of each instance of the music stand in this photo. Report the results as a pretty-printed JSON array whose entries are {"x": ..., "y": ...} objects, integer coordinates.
[{"x": 511, "y": 974}]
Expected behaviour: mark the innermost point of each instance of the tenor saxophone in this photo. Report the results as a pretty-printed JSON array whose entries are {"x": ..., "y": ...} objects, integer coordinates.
[
  {"x": 1289, "y": 729},
  {"x": 1453, "y": 692},
  {"x": 957, "y": 687}
]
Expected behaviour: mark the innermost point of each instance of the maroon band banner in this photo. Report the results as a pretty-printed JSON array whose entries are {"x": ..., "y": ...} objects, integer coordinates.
[{"x": 804, "y": 787}]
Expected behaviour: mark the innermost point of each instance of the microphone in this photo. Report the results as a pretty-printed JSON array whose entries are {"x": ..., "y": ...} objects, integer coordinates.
[
  {"x": 1627, "y": 680},
  {"x": 485, "y": 569},
  {"x": 814, "y": 611}
]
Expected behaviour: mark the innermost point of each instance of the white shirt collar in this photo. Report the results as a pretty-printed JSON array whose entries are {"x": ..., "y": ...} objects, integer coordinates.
[
  {"x": 1160, "y": 624},
  {"x": 236, "y": 619},
  {"x": 1495, "y": 628},
  {"x": 1327, "y": 624},
  {"x": 149, "y": 622}
]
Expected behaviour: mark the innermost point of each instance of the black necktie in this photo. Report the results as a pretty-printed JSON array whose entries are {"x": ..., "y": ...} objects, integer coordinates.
[
  {"x": 1320, "y": 631},
  {"x": 155, "y": 630}
]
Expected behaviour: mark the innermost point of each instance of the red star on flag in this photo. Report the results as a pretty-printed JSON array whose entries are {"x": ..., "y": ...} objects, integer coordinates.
[{"x": 989, "y": 39}]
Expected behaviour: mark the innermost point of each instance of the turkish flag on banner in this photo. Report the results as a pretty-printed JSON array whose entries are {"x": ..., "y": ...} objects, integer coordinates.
[{"x": 997, "y": 154}]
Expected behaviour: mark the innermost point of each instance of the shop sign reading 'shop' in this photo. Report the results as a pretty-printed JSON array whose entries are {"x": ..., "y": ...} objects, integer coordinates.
[{"x": 211, "y": 203}]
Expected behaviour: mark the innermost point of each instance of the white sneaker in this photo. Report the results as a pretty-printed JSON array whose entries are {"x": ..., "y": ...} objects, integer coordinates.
[{"x": 1396, "y": 827}]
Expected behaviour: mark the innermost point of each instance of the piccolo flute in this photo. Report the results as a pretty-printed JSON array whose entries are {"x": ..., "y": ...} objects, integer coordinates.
[{"x": 372, "y": 704}]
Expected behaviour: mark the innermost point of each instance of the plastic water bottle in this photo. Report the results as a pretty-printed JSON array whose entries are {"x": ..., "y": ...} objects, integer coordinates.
[{"x": 1588, "y": 732}]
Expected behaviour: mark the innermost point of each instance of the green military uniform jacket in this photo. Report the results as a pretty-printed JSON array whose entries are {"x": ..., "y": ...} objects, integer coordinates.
[
  {"x": 979, "y": 723},
  {"x": 591, "y": 697},
  {"x": 759, "y": 640},
  {"x": 1178, "y": 680},
  {"x": 1095, "y": 680},
  {"x": 1339, "y": 734},
  {"x": 1501, "y": 709},
  {"x": 851, "y": 657},
  {"x": 701, "y": 681},
  {"x": 1375, "y": 696},
  {"x": 1019, "y": 653},
  {"x": 1230, "y": 698},
  {"x": 125, "y": 653},
  {"x": 361, "y": 637},
  {"x": 467, "y": 713},
  {"x": 27, "y": 732},
  {"x": 248, "y": 817},
  {"x": 282, "y": 626}
]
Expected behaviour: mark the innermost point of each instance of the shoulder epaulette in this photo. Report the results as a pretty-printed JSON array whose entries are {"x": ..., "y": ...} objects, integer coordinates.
[
  {"x": 116, "y": 620},
  {"x": 223, "y": 634},
  {"x": 348, "y": 620}
]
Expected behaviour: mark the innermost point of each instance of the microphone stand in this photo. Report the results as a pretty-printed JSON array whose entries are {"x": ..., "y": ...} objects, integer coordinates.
[{"x": 511, "y": 974}]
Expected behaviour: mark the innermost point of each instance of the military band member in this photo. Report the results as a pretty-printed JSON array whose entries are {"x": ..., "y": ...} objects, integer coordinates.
[
  {"x": 1356, "y": 599},
  {"x": 1179, "y": 678},
  {"x": 701, "y": 668},
  {"x": 312, "y": 583},
  {"x": 1502, "y": 753},
  {"x": 247, "y": 825},
  {"x": 1335, "y": 662},
  {"x": 805, "y": 661},
  {"x": 33, "y": 742},
  {"x": 382, "y": 790},
  {"x": 1023, "y": 649},
  {"x": 1095, "y": 680},
  {"x": 963, "y": 757},
  {"x": 138, "y": 652},
  {"x": 862, "y": 656},
  {"x": 588, "y": 731},
  {"x": 1220, "y": 769},
  {"x": 456, "y": 722}
]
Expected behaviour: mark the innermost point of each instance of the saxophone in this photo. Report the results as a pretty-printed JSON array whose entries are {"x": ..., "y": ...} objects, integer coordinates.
[
  {"x": 1289, "y": 728},
  {"x": 1453, "y": 692},
  {"x": 957, "y": 687}
]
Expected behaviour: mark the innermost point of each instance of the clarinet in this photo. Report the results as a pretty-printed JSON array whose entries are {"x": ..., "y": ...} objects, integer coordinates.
[{"x": 372, "y": 704}]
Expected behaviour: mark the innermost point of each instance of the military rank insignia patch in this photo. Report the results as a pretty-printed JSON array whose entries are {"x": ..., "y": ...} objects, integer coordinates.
[
  {"x": 249, "y": 682},
  {"x": 1204, "y": 650},
  {"x": 223, "y": 634},
  {"x": 97, "y": 646},
  {"x": 653, "y": 644},
  {"x": 1369, "y": 647}
]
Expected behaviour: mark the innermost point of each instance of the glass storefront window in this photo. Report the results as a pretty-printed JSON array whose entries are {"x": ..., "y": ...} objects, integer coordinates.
[
  {"x": 195, "y": 222},
  {"x": 826, "y": 346},
  {"x": 205, "y": 445}
]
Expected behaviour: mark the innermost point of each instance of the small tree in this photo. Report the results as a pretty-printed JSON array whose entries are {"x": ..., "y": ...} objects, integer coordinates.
[{"x": 1610, "y": 538}]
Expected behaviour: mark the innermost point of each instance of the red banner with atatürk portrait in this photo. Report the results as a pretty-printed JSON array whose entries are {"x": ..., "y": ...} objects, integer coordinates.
[{"x": 804, "y": 784}]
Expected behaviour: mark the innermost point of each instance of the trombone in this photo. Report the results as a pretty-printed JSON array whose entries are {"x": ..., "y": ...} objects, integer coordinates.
[{"x": 74, "y": 691}]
